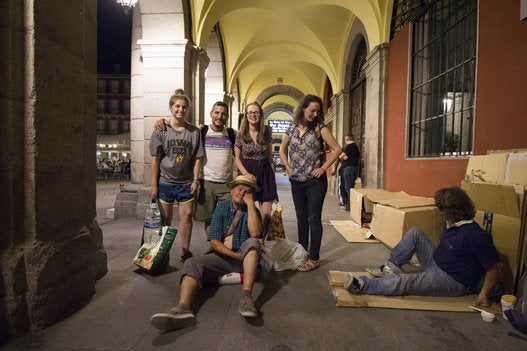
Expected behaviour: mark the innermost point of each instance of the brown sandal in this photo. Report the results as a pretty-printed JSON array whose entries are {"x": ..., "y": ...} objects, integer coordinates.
[{"x": 308, "y": 266}]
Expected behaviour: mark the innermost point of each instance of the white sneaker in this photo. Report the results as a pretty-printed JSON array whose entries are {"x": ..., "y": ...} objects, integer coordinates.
[{"x": 383, "y": 271}]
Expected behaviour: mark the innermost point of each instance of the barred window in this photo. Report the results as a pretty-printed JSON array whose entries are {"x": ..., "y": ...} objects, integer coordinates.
[{"x": 443, "y": 72}]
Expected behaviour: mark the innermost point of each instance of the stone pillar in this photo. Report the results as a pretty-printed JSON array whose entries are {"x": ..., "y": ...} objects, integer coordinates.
[
  {"x": 51, "y": 251},
  {"x": 341, "y": 105},
  {"x": 198, "y": 63},
  {"x": 229, "y": 100},
  {"x": 137, "y": 138},
  {"x": 375, "y": 70},
  {"x": 337, "y": 114}
]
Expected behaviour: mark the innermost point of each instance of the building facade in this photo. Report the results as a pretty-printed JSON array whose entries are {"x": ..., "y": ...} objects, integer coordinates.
[
  {"x": 113, "y": 116},
  {"x": 422, "y": 85}
]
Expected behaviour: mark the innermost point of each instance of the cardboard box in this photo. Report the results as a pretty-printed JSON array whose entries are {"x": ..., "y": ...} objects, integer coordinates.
[
  {"x": 506, "y": 234},
  {"x": 516, "y": 169},
  {"x": 362, "y": 201},
  {"x": 498, "y": 168},
  {"x": 487, "y": 168},
  {"x": 393, "y": 218},
  {"x": 497, "y": 198},
  {"x": 503, "y": 204}
]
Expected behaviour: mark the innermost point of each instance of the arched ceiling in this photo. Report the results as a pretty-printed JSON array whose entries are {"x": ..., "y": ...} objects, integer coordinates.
[{"x": 300, "y": 41}]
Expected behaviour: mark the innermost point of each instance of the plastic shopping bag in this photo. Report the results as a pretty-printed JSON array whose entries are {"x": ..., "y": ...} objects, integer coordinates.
[
  {"x": 153, "y": 258},
  {"x": 276, "y": 226},
  {"x": 282, "y": 255}
]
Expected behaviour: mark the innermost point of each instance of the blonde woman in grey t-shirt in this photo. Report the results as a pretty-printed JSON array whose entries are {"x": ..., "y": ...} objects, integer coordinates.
[{"x": 176, "y": 161}]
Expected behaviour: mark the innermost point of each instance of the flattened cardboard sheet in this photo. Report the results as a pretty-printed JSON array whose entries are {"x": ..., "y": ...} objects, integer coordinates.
[
  {"x": 352, "y": 232},
  {"x": 487, "y": 168},
  {"x": 410, "y": 302},
  {"x": 506, "y": 236},
  {"x": 516, "y": 171},
  {"x": 496, "y": 198},
  {"x": 408, "y": 201}
]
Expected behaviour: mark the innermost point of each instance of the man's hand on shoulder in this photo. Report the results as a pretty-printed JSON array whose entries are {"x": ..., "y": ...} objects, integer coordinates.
[{"x": 161, "y": 124}]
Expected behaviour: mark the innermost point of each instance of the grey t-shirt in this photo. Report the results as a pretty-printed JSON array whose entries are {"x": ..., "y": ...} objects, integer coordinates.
[{"x": 178, "y": 151}]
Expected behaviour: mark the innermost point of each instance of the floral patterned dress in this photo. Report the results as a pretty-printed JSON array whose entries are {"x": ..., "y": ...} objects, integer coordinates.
[{"x": 255, "y": 159}]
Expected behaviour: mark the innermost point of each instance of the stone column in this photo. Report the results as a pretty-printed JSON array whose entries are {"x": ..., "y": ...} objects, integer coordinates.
[
  {"x": 375, "y": 70},
  {"x": 51, "y": 250},
  {"x": 341, "y": 105},
  {"x": 229, "y": 100},
  {"x": 137, "y": 138},
  {"x": 199, "y": 62}
]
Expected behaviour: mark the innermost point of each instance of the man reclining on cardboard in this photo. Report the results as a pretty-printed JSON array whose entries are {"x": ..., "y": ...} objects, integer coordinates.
[{"x": 464, "y": 262}]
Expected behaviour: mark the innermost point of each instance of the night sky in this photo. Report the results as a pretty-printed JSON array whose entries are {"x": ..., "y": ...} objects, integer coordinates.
[{"x": 114, "y": 37}]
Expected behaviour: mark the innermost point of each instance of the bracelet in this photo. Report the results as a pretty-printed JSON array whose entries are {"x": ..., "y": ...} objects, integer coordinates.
[{"x": 195, "y": 181}]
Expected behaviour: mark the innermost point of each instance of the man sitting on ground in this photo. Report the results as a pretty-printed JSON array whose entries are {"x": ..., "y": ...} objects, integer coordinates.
[
  {"x": 235, "y": 247},
  {"x": 465, "y": 260}
]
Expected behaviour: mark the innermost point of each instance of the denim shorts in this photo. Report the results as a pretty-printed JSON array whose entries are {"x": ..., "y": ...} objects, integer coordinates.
[{"x": 169, "y": 193}]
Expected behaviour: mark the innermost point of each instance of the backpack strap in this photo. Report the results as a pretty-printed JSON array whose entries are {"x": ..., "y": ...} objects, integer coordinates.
[
  {"x": 203, "y": 131},
  {"x": 232, "y": 137}
]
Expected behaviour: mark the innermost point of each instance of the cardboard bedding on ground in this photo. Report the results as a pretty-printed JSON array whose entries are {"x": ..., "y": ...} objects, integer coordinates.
[
  {"x": 352, "y": 232},
  {"x": 427, "y": 303}
]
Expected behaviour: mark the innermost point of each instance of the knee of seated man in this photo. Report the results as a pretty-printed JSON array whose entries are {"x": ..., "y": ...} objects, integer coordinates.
[{"x": 251, "y": 244}]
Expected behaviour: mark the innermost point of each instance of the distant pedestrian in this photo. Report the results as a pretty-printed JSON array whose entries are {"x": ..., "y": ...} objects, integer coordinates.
[{"x": 349, "y": 160}]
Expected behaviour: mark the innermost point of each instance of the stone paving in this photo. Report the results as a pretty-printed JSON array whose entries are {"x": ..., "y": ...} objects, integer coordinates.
[{"x": 297, "y": 310}]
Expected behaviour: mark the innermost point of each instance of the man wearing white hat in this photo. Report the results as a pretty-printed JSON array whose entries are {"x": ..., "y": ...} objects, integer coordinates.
[{"x": 234, "y": 231}]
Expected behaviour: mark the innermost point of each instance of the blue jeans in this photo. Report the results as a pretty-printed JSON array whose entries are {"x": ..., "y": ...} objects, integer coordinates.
[
  {"x": 349, "y": 174},
  {"x": 308, "y": 198},
  {"x": 432, "y": 281}
]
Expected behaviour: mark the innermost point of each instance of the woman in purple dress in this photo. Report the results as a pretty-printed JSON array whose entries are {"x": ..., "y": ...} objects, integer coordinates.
[{"x": 254, "y": 157}]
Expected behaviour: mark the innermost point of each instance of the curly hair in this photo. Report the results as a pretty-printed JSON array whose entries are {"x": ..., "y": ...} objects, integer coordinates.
[
  {"x": 454, "y": 204},
  {"x": 298, "y": 114}
]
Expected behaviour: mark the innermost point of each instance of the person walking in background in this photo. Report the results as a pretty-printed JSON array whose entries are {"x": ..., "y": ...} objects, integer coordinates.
[
  {"x": 303, "y": 154},
  {"x": 174, "y": 171},
  {"x": 254, "y": 157},
  {"x": 349, "y": 160}
]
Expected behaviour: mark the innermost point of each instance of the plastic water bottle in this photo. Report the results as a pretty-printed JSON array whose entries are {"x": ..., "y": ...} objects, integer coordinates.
[{"x": 152, "y": 227}]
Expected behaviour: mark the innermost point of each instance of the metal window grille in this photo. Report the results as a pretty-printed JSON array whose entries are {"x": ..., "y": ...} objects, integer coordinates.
[{"x": 443, "y": 70}]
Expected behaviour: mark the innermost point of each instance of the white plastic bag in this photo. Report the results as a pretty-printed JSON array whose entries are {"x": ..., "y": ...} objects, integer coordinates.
[{"x": 282, "y": 255}]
